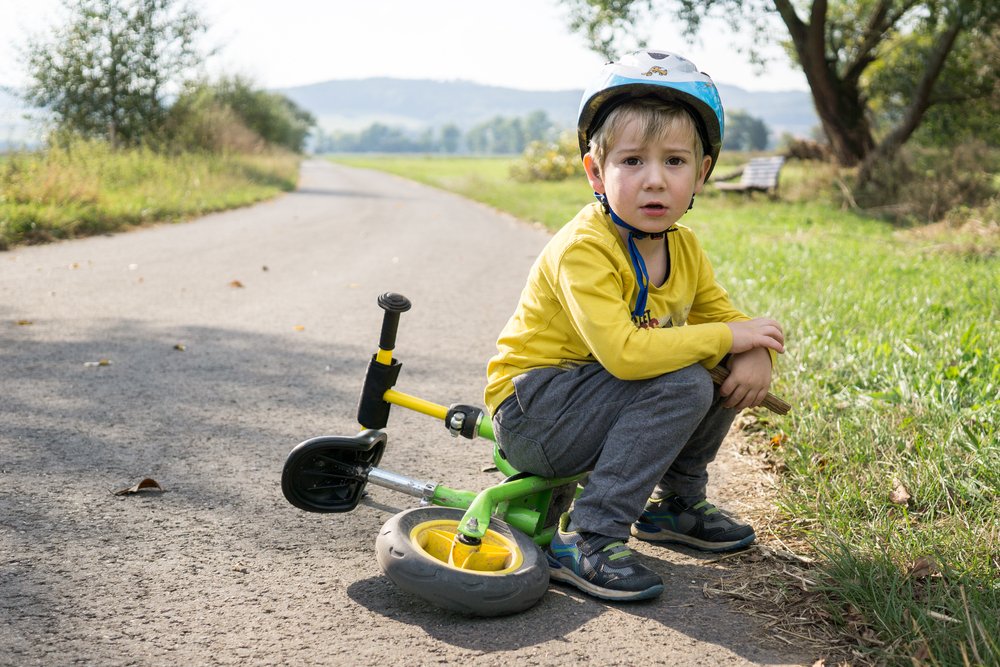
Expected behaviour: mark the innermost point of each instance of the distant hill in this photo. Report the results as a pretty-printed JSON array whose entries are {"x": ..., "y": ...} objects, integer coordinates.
[{"x": 353, "y": 104}]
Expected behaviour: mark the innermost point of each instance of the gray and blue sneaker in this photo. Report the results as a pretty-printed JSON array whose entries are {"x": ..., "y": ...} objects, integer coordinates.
[
  {"x": 701, "y": 525},
  {"x": 599, "y": 565}
]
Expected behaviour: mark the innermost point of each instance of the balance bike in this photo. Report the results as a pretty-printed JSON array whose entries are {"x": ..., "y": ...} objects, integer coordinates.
[{"x": 474, "y": 553}]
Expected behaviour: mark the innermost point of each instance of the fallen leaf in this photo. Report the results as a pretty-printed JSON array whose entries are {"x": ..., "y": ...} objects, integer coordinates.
[
  {"x": 147, "y": 483},
  {"x": 923, "y": 567},
  {"x": 899, "y": 495},
  {"x": 24, "y": 323},
  {"x": 101, "y": 362},
  {"x": 180, "y": 347},
  {"x": 921, "y": 654},
  {"x": 235, "y": 283}
]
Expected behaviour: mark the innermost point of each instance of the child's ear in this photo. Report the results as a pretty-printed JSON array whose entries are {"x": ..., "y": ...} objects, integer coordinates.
[
  {"x": 705, "y": 164},
  {"x": 593, "y": 174}
]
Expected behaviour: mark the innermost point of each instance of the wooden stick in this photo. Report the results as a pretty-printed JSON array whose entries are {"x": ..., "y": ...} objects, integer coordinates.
[{"x": 771, "y": 402}]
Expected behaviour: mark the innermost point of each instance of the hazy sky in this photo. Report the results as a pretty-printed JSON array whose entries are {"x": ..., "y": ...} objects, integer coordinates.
[{"x": 514, "y": 43}]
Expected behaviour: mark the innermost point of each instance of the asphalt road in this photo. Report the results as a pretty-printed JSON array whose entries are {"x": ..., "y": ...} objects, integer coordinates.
[{"x": 199, "y": 354}]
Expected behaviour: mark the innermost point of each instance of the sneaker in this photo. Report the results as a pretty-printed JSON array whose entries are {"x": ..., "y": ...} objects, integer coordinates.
[
  {"x": 599, "y": 565},
  {"x": 701, "y": 525}
]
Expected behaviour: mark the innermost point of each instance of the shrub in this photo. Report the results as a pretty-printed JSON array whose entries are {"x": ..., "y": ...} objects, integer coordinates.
[
  {"x": 547, "y": 161},
  {"x": 200, "y": 123},
  {"x": 923, "y": 184},
  {"x": 805, "y": 149}
]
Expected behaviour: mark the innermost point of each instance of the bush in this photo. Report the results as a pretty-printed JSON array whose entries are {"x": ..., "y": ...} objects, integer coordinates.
[
  {"x": 233, "y": 116},
  {"x": 794, "y": 148},
  {"x": 546, "y": 161},
  {"x": 923, "y": 184},
  {"x": 200, "y": 123}
]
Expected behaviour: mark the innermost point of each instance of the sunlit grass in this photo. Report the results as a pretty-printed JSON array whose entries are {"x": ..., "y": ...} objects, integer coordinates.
[
  {"x": 893, "y": 366},
  {"x": 486, "y": 180},
  {"x": 88, "y": 188}
]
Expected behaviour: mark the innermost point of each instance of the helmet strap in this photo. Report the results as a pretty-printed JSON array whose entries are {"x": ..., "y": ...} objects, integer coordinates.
[{"x": 638, "y": 263}]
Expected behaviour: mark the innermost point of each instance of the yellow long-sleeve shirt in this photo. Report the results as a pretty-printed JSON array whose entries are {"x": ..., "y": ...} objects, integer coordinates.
[{"x": 577, "y": 308}]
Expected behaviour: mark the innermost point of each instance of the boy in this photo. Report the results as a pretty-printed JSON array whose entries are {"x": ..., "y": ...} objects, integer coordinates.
[{"x": 603, "y": 365}]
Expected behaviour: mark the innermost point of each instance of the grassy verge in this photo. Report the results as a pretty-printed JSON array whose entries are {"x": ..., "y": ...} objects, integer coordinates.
[
  {"x": 891, "y": 459},
  {"x": 90, "y": 189}
]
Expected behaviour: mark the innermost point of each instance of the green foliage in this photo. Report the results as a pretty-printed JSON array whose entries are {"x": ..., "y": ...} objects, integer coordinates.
[
  {"x": 892, "y": 368},
  {"x": 745, "y": 132},
  {"x": 381, "y": 138},
  {"x": 549, "y": 161},
  {"x": 272, "y": 116},
  {"x": 501, "y": 135},
  {"x": 231, "y": 114},
  {"x": 86, "y": 187},
  {"x": 105, "y": 73},
  {"x": 199, "y": 122},
  {"x": 964, "y": 99}
]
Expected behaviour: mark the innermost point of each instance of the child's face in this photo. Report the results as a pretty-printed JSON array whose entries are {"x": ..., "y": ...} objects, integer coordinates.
[{"x": 649, "y": 185}]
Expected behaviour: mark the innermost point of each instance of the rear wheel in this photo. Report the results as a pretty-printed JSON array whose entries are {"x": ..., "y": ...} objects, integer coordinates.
[{"x": 420, "y": 551}]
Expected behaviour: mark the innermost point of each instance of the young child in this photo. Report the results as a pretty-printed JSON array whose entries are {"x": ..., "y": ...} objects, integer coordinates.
[{"x": 603, "y": 365}]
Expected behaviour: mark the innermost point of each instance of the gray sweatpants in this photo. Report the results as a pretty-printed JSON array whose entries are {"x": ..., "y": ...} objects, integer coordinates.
[{"x": 632, "y": 435}]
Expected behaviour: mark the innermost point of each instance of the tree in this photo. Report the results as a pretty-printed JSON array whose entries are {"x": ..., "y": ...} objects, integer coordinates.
[
  {"x": 451, "y": 137},
  {"x": 106, "y": 72},
  {"x": 277, "y": 119},
  {"x": 233, "y": 114},
  {"x": 745, "y": 132},
  {"x": 836, "y": 43}
]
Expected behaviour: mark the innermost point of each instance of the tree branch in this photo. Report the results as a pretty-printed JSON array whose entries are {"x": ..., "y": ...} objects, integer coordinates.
[
  {"x": 881, "y": 20},
  {"x": 796, "y": 28},
  {"x": 871, "y": 37},
  {"x": 922, "y": 95}
]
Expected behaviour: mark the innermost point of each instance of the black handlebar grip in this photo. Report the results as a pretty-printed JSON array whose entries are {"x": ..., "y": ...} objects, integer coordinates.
[{"x": 393, "y": 304}]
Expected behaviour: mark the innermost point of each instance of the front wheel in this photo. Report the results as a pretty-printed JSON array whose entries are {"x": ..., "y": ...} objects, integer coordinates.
[{"x": 420, "y": 551}]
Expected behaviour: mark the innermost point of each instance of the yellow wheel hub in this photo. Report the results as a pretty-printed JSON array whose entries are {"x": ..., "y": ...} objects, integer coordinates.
[{"x": 496, "y": 554}]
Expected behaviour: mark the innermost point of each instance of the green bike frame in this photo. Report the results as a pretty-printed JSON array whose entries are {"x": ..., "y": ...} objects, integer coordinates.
[{"x": 529, "y": 503}]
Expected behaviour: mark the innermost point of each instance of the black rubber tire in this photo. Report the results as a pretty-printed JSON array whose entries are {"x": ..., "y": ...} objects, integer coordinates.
[{"x": 448, "y": 587}]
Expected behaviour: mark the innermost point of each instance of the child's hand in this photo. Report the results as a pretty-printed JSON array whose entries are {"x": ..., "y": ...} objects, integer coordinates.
[
  {"x": 749, "y": 379},
  {"x": 757, "y": 333}
]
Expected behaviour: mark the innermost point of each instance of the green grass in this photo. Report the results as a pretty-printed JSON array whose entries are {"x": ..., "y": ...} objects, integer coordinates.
[
  {"x": 91, "y": 189},
  {"x": 486, "y": 180},
  {"x": 893, "y": 366}
]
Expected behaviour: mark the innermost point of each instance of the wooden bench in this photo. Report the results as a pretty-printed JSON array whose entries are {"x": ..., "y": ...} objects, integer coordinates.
[{"x": 760, "y": 175}]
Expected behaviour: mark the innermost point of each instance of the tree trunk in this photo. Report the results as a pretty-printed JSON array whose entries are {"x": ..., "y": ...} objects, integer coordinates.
[
  {"x": 841, "y": 110},
  {"x": 839, "y": 104}
]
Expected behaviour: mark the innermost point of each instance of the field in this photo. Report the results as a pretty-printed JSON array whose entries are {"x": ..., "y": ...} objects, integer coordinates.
[{"x": 890, "y": 461}]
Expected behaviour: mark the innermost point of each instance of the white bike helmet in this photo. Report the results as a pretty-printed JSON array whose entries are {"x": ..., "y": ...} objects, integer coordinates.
[{"x": 652, "y": 73}]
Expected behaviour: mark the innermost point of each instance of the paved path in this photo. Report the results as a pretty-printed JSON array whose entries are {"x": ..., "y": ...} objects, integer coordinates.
[{"x": 274, "y": 307}]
